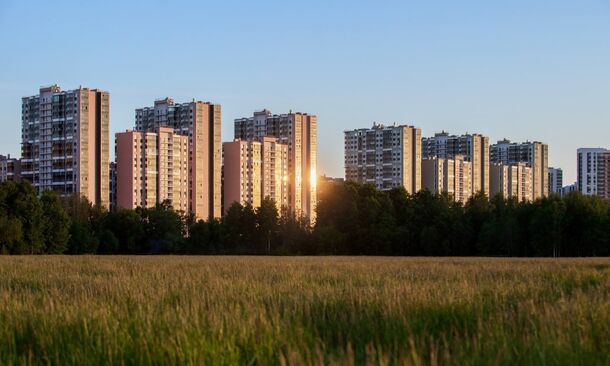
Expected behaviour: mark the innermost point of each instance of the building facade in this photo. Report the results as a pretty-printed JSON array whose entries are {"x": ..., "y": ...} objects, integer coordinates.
[
  {"x": 555, "y": 180},
  {"x": 112, "y": 184},
  {"x": 451, "y": 176},
  {"x": 254, "y": 170},
  {"x": 512, "y": 181},
  {"x": 535, "y": 154},
  {"x": 298, "y": 131},
  {"x": 473, "y": 147},
  {"x": 65, "y": 142},
  {"x": 592, "y": 171},
  {"x": 10, "y": 169},
  {"x": 201, "y": 122},
  {"x": 385, "y": 156},
  {"x": 151, "y": 168}
]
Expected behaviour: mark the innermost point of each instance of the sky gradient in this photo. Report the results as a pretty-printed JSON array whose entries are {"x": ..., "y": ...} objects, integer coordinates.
[{"x": 523, "y": 70}]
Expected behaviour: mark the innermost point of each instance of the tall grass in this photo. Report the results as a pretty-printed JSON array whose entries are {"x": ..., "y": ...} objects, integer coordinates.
[{"x": 322, "y": 310}]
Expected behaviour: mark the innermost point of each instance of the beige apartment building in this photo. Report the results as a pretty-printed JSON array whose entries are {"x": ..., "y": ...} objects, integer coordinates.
[
  {"x": 473, "y": 147},
  {"x": 201, "y": 122},
  {"x": 385, "y": 156},
  {"x": 152, "y": 167},
  {"x": 535, "y": 154},
  {"x": 298, "y": 131},
  {"x": 452, "y": 176},
  {"x": 254, "y": 170},
  {"x": 64, "y": 142},
  {"x": 514, "y": 180}
]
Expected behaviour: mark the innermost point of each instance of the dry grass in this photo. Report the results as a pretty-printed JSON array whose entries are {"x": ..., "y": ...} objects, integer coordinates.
[{"x": 295, "y": 310}]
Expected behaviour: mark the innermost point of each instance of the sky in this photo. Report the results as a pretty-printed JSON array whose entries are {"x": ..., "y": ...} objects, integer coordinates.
[{"x": 522, "y": 70}]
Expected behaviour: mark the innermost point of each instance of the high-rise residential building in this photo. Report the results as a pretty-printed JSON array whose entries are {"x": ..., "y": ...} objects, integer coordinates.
[
  {"x": 592, "y": 170},
  {"x": 299, "y": 132},
  {"x": 65, "y": 141},
  {"x": 254, "y": 170},
  {"x": 535, "y": 154},
  {"x": 10, "y": 169},
  {"x": 112, "y": 184},
  {"x": 385, "y": 156},
  {"x": 555, "y": 180},
  {"x": 514, "y": 180},
  {"x": 151, "y": 168},
  {"x": 201, "y": 122},
  {"x": 452, "y": 176},
  {"x": 473, "y": 147}
]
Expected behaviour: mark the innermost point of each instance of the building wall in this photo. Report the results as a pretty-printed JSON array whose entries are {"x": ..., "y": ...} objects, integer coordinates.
[
  {"x": 534, "y": 154},
  {"x": 555, "y": 180},
  {"x": 299, "y": 132},
  {"x": 201, "y": 122},
  {"x": 590, "y": 179},
  {"x": 10, "y": 169},
  {"x": 65, "y": 142},
  {"x": 451, "y": 176},
  {"x": 254, "y": 170},
  {"x": 473, "y": 147},
  {"x": 385, "y": 156},
  {"x": 514, "y": 180},
  {"x": 152, "y": 167},
  {"x": 275, "y": 172}
]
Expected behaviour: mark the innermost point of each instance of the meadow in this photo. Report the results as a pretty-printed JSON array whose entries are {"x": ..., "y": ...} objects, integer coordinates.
[{"x": 179, "y": 310}]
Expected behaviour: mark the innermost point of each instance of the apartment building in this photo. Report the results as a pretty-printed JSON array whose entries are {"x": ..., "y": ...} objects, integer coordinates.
[
  {"x": 10, "y": 168},
  {"x": 152, "y": 167},
  {"x": 201, "y": 122},
  {"x": 512, "y": 181},
  {"x": 64, "y": 144},
  {"x": 254, "y": 170},
  {"x": 385, "y": 156},
  {"x": 298, "y": 131},
  {"x": 555, "y": 180},
  {"x": 473, "y": 147},
  {"x": 535, "y": 154},
  {"x": 451, "y": 176},
  {"x": 112, "y": 184},
  {"x": 592, "y": 171}
]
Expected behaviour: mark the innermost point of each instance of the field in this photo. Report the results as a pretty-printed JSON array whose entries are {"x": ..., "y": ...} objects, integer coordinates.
[{"x": 303, "y": 310}]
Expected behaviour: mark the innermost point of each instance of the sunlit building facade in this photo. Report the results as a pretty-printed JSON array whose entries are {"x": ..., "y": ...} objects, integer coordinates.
[{"x": 298, "y": 131}]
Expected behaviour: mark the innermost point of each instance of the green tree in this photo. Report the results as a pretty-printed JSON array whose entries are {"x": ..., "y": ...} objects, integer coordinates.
[
  {"x": 56, "y": 223},
  {"x": 267, "y": 222}
]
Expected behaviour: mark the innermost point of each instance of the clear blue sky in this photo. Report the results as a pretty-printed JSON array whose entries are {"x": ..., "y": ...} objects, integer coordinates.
[{"x": 537, "y": 70}]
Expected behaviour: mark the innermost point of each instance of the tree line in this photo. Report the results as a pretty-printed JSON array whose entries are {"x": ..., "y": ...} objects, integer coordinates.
[{"x": 352, "y": 219}]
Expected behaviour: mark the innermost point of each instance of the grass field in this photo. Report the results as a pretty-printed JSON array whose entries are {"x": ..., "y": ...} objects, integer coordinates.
[{"x": 294, "y": 310}]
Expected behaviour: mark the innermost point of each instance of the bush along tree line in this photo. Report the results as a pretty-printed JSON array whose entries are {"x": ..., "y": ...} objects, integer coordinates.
[{"x": 352, "y": 219}]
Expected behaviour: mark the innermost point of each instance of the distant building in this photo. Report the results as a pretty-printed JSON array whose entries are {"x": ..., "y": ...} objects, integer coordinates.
[
  {"x": 534, "y": 154},
  {"x": 569, "y": 189},
  {"x": 593, "y": 168},
  {"x": 385, "y": 156},
  {"x": 299, "y": 132},
  {"x": 473, "y": 147},
  {"x": 10, "y": 169},
  {"x": 254, "y": 170},
  {"x": 152, "y": 167},
  {"x": 452, "y": 176},
  {"x": 64, "y": 142},
  {"x": 513, "y": 180},
  {"x": 112, "y": 189},
  {"x": 201, "y": 122},
  {"x": 555, "y": 180}
]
